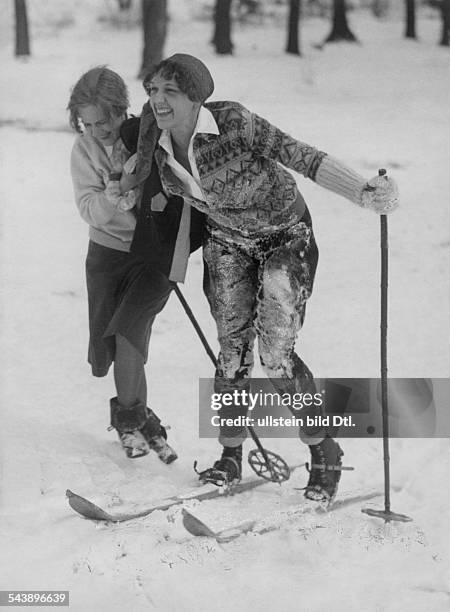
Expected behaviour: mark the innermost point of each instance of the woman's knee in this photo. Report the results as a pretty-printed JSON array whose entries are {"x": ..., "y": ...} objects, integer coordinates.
[{"x": 277, "y": 361}]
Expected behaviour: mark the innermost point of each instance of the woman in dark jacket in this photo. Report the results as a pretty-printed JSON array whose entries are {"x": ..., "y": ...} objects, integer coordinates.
[{"x": 125, "y": 292}]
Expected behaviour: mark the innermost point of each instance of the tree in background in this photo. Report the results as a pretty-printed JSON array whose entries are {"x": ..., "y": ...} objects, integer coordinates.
[
  {"x": 316, "y": 8},
  {"x": 410, "y": 31},
  {"x": 380, "y": 8},
  {"x": 22, "y": 36},
  {"x": 154, "y": 21},
  {"x": 295, "y": 7},
  {"x": 445, "y": 12},
  {"x": 248, "y": 8},
  {"x": 340, "y": 29},
  {"x": 222, "y": 27}
]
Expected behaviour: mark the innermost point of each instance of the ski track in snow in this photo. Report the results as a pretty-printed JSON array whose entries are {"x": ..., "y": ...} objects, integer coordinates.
[{"x": 384, "y": 103}]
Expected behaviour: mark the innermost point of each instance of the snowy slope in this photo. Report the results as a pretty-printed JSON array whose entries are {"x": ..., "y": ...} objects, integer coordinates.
[{"x": 384, "y": 103}]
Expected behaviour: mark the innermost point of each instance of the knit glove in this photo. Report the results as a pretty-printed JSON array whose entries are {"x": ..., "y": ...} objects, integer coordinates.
[
  {"x": 115, "y": 197},
  {"x": 112, "y": 190},
  {"x": 127, "y": 201},
  {"x": 380, "y": 194}
]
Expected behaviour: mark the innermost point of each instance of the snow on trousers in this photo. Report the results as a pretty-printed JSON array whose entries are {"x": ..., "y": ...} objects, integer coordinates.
[{"x": 259, "y": 288}]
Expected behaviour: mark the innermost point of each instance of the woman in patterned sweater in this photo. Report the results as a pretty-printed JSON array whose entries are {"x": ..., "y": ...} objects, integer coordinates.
[{"x": 260, "y": 253}]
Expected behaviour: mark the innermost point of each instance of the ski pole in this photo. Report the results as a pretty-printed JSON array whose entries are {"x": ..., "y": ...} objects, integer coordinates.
[
  {"x": 276, "y": 469},
  {"x": 197, "y": 327},
  {"x": 385, "y": 514}
]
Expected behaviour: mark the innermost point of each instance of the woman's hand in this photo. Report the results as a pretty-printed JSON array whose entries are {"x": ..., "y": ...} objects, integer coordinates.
[
  {"x": 127, "y": 182},
  {"x": 380, "y": 194},
  {"x": 123, "y": 201},
  {"x": 128, "y": 179}
]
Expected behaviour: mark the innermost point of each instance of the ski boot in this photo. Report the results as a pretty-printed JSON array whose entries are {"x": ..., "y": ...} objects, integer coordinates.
[
  {"x": 139, "y": 431},
  {"x": 325, "y": 472},
  {"x": 225, "y": 472},
  {"x": 156, "y": 437},
  {"x": 128, "y": 422}
]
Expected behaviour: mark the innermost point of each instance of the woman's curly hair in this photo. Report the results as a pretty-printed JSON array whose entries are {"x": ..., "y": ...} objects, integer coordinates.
[{"x": 100, "y": 87}]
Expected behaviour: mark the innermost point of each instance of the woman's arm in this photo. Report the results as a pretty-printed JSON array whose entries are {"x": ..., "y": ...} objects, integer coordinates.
[
  {"x": 269, "y": 141},
  {"x": 98, "y": 199}
]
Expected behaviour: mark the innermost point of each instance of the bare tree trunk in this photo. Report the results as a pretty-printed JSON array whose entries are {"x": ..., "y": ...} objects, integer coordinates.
[
  {"x": 410, "y": 31},
  {"x": 222, "y": 27},
  {"x": 22, "y": 36},
  {"x": 380, "y": 8},
  {"x": 124, "y": 5},
  {"x": 295, "y": 7},
  {"x": 340, "y": 29},
  {"x": 154, "y": 21},
  {"x": 445, "y": 12}
]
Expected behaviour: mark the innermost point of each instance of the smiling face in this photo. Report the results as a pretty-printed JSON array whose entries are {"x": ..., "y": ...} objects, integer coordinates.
[
  {"x": 101, "y": 127},
  {"x": 173, "y": 110}
]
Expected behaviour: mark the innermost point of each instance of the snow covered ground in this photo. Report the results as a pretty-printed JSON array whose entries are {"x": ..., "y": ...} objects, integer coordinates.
[{"x": 380, "y": 104}]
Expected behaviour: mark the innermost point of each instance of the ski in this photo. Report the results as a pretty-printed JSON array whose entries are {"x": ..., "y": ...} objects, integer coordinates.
[
  {"x": 273, "y": 522},
  {"x": 91, "y": 511}
]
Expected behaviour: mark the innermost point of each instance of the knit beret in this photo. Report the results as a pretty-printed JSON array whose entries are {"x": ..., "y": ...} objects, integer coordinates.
[
  {"x": 192, "y": 76},
  {"x": 199, "y": 74}
]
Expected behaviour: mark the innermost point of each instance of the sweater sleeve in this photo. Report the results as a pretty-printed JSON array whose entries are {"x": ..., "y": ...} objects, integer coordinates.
[
  {"x": 89, "y": 187},
  {"x": 270, "y": 142},
  {"x": 339, "y": 178},
  {"x": 326, "y": 171}
]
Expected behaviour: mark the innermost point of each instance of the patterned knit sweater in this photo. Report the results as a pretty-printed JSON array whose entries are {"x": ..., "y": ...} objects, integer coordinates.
[{"x": 248, "y": 193}]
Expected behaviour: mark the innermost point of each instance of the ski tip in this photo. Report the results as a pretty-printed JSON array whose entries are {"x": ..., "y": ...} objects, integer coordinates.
[
  {"x": 86, "y": 508},
  {"x": 195, "y": 526}
]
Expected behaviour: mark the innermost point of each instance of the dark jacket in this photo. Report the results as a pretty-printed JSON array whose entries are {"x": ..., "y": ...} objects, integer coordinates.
[{"x": 157, "y": 226}]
